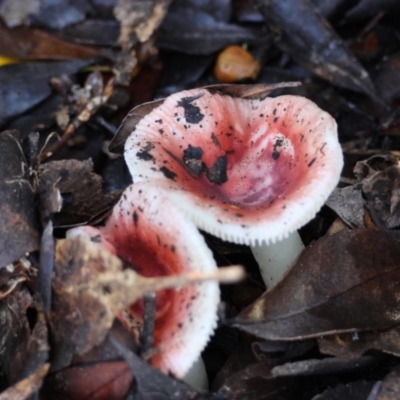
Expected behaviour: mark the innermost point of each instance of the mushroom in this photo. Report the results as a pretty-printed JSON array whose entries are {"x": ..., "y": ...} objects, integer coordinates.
[
  {"x": 250, "y": 171},
  {"x": 146, "y": 230}
]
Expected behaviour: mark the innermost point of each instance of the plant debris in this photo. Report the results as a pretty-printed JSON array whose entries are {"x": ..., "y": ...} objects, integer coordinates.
[{"x": 77, "y": 78}]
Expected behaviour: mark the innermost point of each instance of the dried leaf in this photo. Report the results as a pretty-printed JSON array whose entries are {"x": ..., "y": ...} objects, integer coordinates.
[
  {"x": 195, "y": 31},
  {"x": 97, "y": 32},
  {"x": 28, "y": 386},
  {"x": 153, "y": 384},
  {"x": 348, "y": 204},
  {"x": 24, "y": 344},
  {"x": 341, "y": 283},
  {"x": 380, "y": 179},
  {"x": 321, "y": 367},
  {"x": 20, "y": 94},
  {"x": 73, "y": 184},
  {"x": 28, "y": 43},
  {"x": 354, "y": 345},
  {"x": 19, "y": 229},
  {"x": 390, "y": 387},
  {"x": 129, "y": 124},
  {"x": 351, "y": 391},
  {"x": 55, "y": 14},
  {"x": 366, "y": 9},
  {"x": 312, "y": 42},
  {"x": 89, "y": 381}
]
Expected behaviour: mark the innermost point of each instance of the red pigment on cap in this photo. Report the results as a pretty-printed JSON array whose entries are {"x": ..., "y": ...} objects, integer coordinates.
[
  {"x": 146, "y": 230},
  {"x": 232, "y": 163}
]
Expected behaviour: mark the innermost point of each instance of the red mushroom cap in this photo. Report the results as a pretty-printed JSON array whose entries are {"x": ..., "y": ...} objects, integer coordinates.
[
  {"x": 247, "y": 171},
  {"x": 146, "y": 230}
]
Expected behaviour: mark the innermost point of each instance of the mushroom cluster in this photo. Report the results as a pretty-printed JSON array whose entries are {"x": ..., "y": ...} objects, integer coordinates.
[{"x": 248, "y": 170}]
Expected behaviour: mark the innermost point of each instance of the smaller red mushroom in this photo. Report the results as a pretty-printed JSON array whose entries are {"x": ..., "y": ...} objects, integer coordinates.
[{"x": 147, "y": 230}]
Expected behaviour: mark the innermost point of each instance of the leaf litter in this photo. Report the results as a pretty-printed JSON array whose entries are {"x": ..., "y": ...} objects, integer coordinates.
[{"x": 337, "y": 308}]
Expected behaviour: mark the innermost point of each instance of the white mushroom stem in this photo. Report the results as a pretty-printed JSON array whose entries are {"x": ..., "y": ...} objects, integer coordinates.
[
  {"x": 275, "y": 259},
  {"x": 197, "y": 375}
]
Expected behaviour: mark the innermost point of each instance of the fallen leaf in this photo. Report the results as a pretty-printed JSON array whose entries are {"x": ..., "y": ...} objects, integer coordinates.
[
  {"x": 27, "y": 387},
  {"x": 194, "y": 31},
  {"x": 24, "y": 343},
  {"x": 390, "y": 387},
  {"x": 20, "y": 94},
  {"x": 92, "y": 381},
  {"x": 29, "y": 43},
  {"x": 351, "y": 391},
  {"x": 153, "y": 384},
  {"x": 348, "y": 204},
  {"x": 322, "y": 367},
  {"x": 55, "y": 14},
  {"x": 19, "y": 229},
  {"x": 341, "y": 283},
  {"x": 366, "y": 9},
  {"x": 313, "y": 43},
  {"x": 354, "y": 345},
  {"x": 380, "y": 180},
  {"x": 71, "y": 190}
]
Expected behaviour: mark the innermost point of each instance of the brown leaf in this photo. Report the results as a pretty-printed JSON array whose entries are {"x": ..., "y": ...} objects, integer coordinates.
[
  {"x": 341, "y": 283},
  {"x": 321, "y": 367},
  {"x": 359, "y": 390},
  {"x": 19, "y": 230},
  {"x": 313, "y": 43},
  {"x": 129, "y": 124},
  {"x": 79, "y": 188},
  {"x": 390, "y": 387},
  {"x": 348, "y": 204},
  {"x": 351, "y": 345},
  {"x": 98, "y": 381},
  {"x": 28, "y": 386},
  {"x": 380, "y": 179},
  {"x": 24, "y": 336},
  {"x": 34, "y": 44}
]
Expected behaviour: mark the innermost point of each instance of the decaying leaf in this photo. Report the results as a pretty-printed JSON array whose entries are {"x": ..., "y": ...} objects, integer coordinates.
[
  {"x": 151, "y": 383},
  {"x": 354, "y": 345},
  {"x": 192, "y": 29},
  {"x": 380, "y": 179},
  {"x": 55, "y": 14},
  {"x": 321, "y": 367},
  {"x": 351, "y": 391},
  {"x": 390, "y": 387},
  {"x": 348, "y": 204},
  {"x": 365, "y": 9},
  {"x": 29, "y": 43},
  {"x": 19, "y": 228},
  {"x": 312, "y": 42},
  {"x": 19, "y": 94},
  {"x": 92, "y": 381},
  {"x": 28, "y": 386},
  {"x": 24, "y": 338},
  {"x": 346, "y": 282},
  {"x": 73, "y": 191}
]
